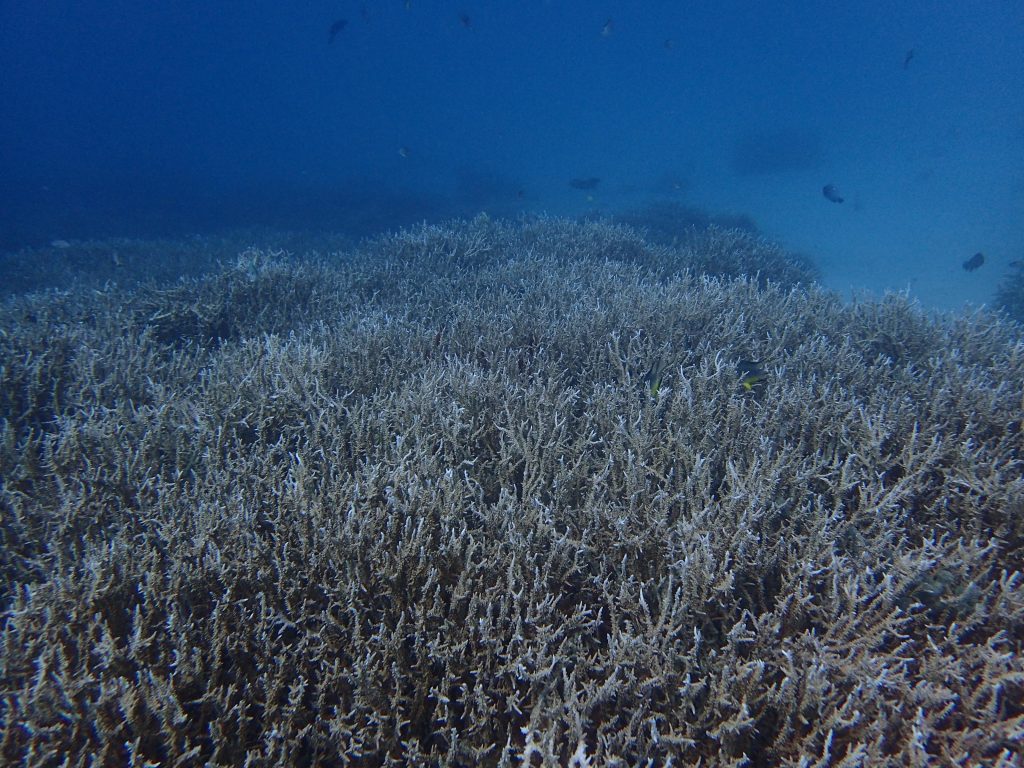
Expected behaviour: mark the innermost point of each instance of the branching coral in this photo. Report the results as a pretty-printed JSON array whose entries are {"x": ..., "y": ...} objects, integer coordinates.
[
  {"x": 1010, "y": 295},
  {"x": 417, "y": 504}
]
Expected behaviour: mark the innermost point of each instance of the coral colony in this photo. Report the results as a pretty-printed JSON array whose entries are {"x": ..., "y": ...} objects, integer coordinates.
[{"x": 493, "y": 494}]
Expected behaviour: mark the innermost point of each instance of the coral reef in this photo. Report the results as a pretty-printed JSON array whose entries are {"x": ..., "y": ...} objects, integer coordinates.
[
  {"x": 1010, "y": 293},
  {"x": 63, "y": 264},
  {"x": 417, "y": 504},
  {"x": 669, "y": 221},
  {"x": 720, "y": 245}
]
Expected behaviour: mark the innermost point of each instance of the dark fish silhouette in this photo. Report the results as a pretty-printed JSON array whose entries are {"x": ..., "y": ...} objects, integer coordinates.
[
  {"x": 974, "y": 262},
  {"x": 907, "y": 58},
  {"x": 466, "y": 21},
  {"x": 831, "y": 193},
  {"x": 336, "y": 27},
  {"x": 588, "y": 183}
]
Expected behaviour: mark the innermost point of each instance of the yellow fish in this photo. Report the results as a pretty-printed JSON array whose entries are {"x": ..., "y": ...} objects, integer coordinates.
[
  {"x": 753, "y": 378},
  {"x": 655, "y": 377}
]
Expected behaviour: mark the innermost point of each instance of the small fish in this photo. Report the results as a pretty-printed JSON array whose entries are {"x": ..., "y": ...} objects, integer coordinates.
[
  {"x": 404, "y": 152},
  {"x": 466, "y": 21},
  {"x": 907, "y": 58},
  {"x": 608, "y": 28},
  {"x": 590, "y": 182},
  {"x": 753, "y": 378},
  {"x": 655, "y": 377},
  {"x": 831, "y": 193},
  {"x": 974, "y": 262},
  {"x": 336, "y": 27}
]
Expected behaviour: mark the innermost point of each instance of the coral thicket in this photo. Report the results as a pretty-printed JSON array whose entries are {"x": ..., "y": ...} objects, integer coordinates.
[
  {"x": 418, "y": 503},
  {"x": 1010, "y": 293}
]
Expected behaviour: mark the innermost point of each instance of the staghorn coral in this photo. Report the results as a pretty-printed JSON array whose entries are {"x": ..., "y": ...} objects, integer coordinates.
[
  {"x": 1010, "y": 293},
  {"x": 710, "y": 249},
  {"x": 720, "y": 245},
  {"x": 131, "y": 261},
  {"x": 416, "y": 504},
  {"x": 668, "y": 222}
]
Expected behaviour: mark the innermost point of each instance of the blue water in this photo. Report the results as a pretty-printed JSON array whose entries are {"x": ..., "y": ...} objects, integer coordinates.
[{"x": 138, "y": 119}]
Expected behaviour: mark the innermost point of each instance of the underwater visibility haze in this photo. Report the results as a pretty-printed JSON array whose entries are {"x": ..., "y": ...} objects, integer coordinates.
[
  {"x": 123, "y": 119},
  {"x": 541, "y": 383}
]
